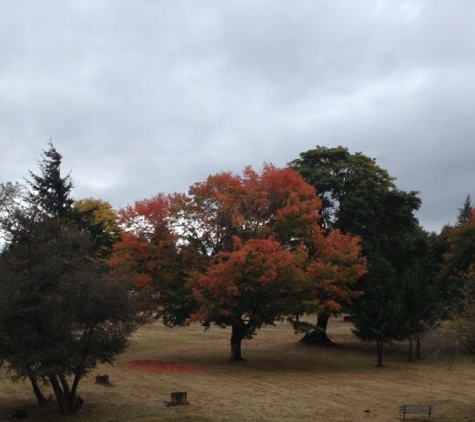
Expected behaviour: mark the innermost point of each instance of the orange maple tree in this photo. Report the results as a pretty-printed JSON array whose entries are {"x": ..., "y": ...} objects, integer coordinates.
[
  {"x": 250, "y": 287},
  {"x": 241, "y": 251},
  {"x": 276, "y": 202},
  {"x": 335, "y": 265},
  {"x": 151, "y": 260}
]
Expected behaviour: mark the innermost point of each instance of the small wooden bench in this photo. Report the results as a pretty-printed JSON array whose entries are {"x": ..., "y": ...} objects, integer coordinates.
[{"x": 420, "y": 409}]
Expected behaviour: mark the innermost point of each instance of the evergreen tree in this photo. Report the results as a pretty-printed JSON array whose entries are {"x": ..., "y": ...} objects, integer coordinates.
[
  {"x": 50, "y": 191},
  {"x": 59, "y": 315},
  {"x": 381, "y": 314},
  {"x": 422, "y": 305},
  {"x": 465, "y": 212}
]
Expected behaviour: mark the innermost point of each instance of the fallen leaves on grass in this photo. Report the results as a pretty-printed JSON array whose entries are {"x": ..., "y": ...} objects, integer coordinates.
[{"x": 161, "y": 366}]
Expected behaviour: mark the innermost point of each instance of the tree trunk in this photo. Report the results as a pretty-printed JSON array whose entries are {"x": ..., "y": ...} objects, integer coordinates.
[
  {"x": 36, "y": 389},
  {"x": 67, "y": 399},
  {"x": 61, "y": 398},
  {"x": 64, "y": 384},
  {"x": 74, "y": 387},
  {"x": 379, "y": 351},
  {"x": 410, "y": 349},
  {"x": 418, "y": 348},
  {"x": 237, "y": 334},
  {"x": 319, "y": 335}
]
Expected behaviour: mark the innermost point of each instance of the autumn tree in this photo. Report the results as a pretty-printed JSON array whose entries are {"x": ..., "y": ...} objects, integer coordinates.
[
  {"x": 101, "y": 221},
  {"x": 194, "y": 241},
  {"x": 247, "y": 288},
  {"x": 335, "y": 266},
  {"x": 155, "y": 263},
  {"x": 277, "y": 204}
]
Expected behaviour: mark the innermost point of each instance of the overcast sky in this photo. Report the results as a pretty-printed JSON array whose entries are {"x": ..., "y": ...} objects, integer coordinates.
[{"x": 148, "y": 96}]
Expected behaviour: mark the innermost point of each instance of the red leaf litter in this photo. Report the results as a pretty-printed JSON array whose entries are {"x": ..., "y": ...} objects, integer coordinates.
[{"x": 161, "y": 366}]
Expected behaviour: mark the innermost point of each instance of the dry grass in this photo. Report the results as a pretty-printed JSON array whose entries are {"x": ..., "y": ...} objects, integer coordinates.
[{"x": 282, "y": 380}]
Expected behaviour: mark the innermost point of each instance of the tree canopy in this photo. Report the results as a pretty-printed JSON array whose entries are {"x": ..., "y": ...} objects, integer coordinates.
[
  {"x": 250, "y": 287},
  {"x": 345, "y": 183},
  {"x": 227, "y": 227},
  {"x": 59, "y": 318},
  {"x": 101, "y": 221},
  {"x": 360, "y": 198}
]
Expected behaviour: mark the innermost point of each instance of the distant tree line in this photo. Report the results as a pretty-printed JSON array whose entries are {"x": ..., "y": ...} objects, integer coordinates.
[{"x": 330, "y": 234}]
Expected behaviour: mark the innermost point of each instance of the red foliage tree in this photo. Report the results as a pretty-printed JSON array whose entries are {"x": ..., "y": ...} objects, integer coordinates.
[
  {"x": 277, "y": 204},
  {"x": 250, "y": 287},
  {"x": 239, "y": 251},
  {"x": 151, "y": 260},
  {"x": 335, "y": 266}
]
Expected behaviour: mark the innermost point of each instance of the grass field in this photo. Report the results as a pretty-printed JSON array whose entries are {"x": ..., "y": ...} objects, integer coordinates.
[{"x": 281, "y": 380}]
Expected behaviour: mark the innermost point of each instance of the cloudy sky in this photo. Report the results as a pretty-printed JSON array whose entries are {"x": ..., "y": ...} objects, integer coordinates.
[{"x": 148, "y": 96}]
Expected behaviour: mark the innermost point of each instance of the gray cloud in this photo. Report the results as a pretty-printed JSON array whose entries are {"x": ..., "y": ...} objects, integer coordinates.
[{"x": 146, "y": 97}]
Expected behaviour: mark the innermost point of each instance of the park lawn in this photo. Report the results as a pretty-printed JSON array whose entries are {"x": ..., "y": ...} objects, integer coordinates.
[{"x": 281, "y": 380}]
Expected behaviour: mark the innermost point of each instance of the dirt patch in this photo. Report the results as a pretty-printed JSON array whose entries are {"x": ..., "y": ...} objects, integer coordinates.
[{"x": 161, "y": 366}]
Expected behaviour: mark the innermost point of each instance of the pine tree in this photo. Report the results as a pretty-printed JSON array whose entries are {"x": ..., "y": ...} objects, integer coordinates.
[
  {"x": 465, "y": 212},
  {"x": 50, "y": 191}
]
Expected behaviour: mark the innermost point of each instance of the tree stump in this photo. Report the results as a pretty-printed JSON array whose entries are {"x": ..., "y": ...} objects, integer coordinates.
[
  {"x": 178, "y": 398},
  {"x": 103, "y": 379}
]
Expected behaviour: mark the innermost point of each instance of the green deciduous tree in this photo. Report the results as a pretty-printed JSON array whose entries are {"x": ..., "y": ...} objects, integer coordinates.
[
  {"x": 15, "y": 211},
  {"x": 346, "y": 184},
  {"x": 361, "y": 198},
  {"x": 59, "y": 317}
]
